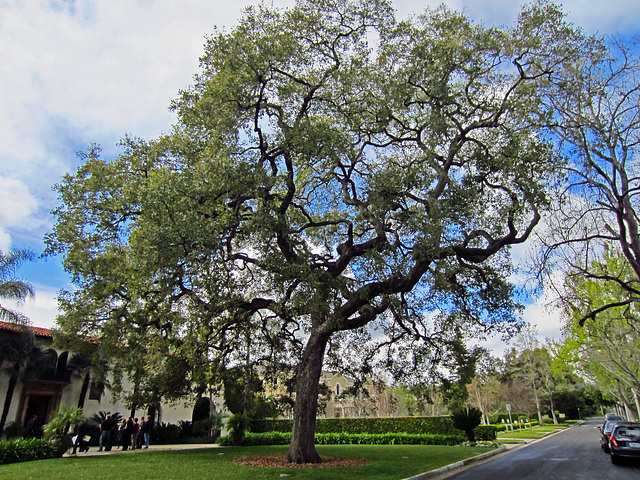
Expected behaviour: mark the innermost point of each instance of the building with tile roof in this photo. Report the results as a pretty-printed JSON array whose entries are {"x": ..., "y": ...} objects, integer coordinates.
[{"x": 24, "y": 394}]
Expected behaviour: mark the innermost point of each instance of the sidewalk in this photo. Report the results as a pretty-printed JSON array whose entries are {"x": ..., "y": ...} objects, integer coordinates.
[{"x": 93, "y": 451}]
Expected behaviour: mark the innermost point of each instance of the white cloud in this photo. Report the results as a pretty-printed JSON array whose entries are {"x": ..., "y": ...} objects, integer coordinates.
[
  {"x": 40, "y": 310},
  {"x": 5, "y": 241},
  {"x": 16, "y": 206},
  {"x": 595, "y": 16}
]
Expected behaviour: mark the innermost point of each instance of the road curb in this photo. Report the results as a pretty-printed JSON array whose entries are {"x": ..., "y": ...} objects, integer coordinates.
[
  {"x": 479, "y": 458},
  {"x": 463, "y": 463}
]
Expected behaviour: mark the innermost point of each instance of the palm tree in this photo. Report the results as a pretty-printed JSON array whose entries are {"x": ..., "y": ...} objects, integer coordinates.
[
  {"x": 12, "y": 288},
  {"x": 467, "y": 419},
  {"x": 27, "y": 361}
]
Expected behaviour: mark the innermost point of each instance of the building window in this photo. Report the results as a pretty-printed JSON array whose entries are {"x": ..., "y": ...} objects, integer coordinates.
[
  {"x": 96, "y": 391},
  {"x": 337, "y": 389}
]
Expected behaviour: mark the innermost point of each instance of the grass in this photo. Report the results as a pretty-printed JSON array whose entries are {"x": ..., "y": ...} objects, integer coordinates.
[
  {"x": 529, "y": 434},
  {"x": 385, "y": 462}
]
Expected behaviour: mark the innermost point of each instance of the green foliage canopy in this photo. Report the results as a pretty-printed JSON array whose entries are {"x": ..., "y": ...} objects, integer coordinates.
[{"x": 333, "y": 172}]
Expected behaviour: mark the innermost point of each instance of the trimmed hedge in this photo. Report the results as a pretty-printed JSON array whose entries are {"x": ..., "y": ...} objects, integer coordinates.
[
  {"x": 486, "y": 433},
  {"x": 284, "y": 438},
  {"x": 24, "y": 450},
  {"x": 388, "y": 439},
  {"x": 414, "y": 425}
]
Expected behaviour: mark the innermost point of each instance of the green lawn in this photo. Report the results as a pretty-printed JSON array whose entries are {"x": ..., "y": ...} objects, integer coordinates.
[
  {"x": 531, "y": 433},
  {"x": 385, "y": 462}
]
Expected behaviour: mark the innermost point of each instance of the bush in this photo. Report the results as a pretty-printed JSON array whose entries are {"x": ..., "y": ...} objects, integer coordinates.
[
  {"x": 283, "y": 438},
  {"x": 186, "y": 428},
  {"x": 165, "y": 433},
  {"x": 25, "y": 449},
  {"x": 431, "y": 425},
  {"x": 486, "y": 433},
  {"x": 413, "y": 425},
  {"x": 255, "y": 439},
  {"x": 467, "y": 419},
  {"x": 63, "y": 421},
  {"x": 238, "y": 424},
  {"x": 13, "y": 430},
  {"x": 388, "y": 439}
]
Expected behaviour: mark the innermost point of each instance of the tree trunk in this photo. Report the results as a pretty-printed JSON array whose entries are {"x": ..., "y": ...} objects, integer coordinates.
[
  {"x": 485, "y": 415},
  {"x": 83, "y": 392},
  {"x": 636, "y": 397},
  {"x": 552, "y": 403},
  {"x": 538, "y": 407},
  {"x": 302, "y": 448},
  {"x": 9, "y": 396}
]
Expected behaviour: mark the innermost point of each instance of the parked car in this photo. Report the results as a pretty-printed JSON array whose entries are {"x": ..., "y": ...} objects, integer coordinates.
[
  {"x": 605, "y": 433},
  {"x": 613, "y": 417},
  {"x": 625, "y": 441}
]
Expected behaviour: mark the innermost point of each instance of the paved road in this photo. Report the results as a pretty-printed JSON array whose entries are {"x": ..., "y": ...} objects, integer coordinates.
[{"x": 573, "y": 454}]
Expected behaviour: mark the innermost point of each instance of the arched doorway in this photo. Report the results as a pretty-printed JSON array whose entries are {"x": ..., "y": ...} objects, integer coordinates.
[
  {"x": 202, "y": 410},
  {"x": 201, "y": 416}
]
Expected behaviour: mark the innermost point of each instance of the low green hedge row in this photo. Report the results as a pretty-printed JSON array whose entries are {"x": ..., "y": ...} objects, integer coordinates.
[
  {"x": 284, "y": 438},
  {"x": 25, "y": 449},
  {"x": 414, "y": 425},
  {"x": 434, "y": 425},
  {"x": 486, "y": 433},
  {"x": 388, "y": 439}
]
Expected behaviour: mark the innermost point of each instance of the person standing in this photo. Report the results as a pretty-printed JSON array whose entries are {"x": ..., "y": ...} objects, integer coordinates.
[
  {"x": 136, "y": 432},
  {"x": 127, "y": 431},
  {"x": 148, "y": 426},
  {"x": 120, "y": 433},
  {"x": 32, "y": 427},
  {"x": 105, "y": 433},
  {"x": 142, "y": 429}
]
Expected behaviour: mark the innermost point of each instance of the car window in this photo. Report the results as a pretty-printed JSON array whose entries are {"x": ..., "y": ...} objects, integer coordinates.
[{"x": 628, "y": 432}]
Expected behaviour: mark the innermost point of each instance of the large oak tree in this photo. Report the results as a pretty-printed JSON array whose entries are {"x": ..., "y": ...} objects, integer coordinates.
[{"x": 335, "y": 178}]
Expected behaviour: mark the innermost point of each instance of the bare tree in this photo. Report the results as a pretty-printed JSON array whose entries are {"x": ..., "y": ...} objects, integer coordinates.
[{"x": 597, "y": 113}]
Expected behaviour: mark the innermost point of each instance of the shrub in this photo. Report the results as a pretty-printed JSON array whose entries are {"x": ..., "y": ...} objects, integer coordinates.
[
  {"x": 186, "y": 428},
  {"x": 414, "y": 425},
  {"x": 255, "y": 439},
  {"x": 238, "y": 424},
  {"x": 467, "y": 420},
  {"x": 284, "y": 438},
  {"x": 388, "y": 439},
  {"x": 25, "y": 449},
  {"x": 166, "y": 433},
  {"x": 63, "y": 421},
  {"x": 486, "y": 433},
  {"x": 13, "y": 430},
  {"x": 431, "y": 425}
]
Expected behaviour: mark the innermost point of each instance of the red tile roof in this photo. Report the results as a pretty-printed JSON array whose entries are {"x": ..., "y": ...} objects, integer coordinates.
[{"x": 37, "y": 331}]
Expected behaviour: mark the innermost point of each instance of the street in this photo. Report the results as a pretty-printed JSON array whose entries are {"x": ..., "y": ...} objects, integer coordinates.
[{"x": 570, "y": 455}]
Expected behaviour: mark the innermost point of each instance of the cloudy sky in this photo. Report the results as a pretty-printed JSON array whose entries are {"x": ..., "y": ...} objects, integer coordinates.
[{"x": 75, "y": 72}]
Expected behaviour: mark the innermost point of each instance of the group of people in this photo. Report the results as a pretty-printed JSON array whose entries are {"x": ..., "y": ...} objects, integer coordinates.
[{"x": 130, "y": 433}]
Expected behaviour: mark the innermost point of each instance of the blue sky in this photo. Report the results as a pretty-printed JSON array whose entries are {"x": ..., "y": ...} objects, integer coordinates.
[{"x": 74, "y": 72}]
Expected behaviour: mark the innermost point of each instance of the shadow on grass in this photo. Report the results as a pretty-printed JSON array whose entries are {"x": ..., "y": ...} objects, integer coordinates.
[{"x": 384, "y": 462}]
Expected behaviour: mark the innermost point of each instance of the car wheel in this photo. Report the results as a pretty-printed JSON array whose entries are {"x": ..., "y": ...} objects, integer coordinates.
[
  {"x": 615, "y": 459},
  {"x": 606, "y": 448}
]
